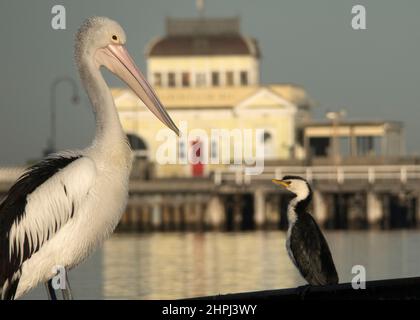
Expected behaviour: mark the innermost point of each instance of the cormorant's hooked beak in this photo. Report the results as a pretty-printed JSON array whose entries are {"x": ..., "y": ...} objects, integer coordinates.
[
  {"x": 117, "y": 59},
  {"x": 280, "y": 182}
]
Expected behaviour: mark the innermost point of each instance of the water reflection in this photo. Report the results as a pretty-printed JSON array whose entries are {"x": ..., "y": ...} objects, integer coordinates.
[
  {"x": 185, "y": 265},
  {"x": 178, "y": 265}
]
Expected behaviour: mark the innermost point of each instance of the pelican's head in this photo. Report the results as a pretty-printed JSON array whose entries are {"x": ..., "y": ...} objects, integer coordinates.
[
  {"x": 101, "y": 41},
  {"x": 295, "y": 184}
]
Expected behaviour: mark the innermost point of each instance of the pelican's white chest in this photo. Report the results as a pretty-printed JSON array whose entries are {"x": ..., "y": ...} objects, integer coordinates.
[
  {"x": 111, "y": 187},
  {"x": 106, "y": 201},
  {"x": 95, "y": 218}
]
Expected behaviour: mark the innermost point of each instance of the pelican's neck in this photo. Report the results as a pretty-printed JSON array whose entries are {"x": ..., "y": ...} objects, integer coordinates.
[{"x": 108, "y": 127}]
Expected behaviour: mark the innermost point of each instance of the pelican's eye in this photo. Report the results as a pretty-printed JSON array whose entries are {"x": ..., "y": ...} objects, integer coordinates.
[{"x": 114, "y": 37}]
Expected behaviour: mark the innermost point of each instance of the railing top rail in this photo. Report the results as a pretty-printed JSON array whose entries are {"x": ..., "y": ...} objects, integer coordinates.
[
  {"x": 342, "y": 172},
  {"x": 345, "y": 167}
]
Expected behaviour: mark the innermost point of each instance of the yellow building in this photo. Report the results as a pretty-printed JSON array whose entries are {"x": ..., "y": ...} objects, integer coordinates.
[{"x": 206, "y": 74}]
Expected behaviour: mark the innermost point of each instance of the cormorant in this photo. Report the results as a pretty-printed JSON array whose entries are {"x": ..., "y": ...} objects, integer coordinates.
[{"x": 305, "y": 243}]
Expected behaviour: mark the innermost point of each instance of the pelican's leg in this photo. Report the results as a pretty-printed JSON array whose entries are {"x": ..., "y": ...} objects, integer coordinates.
[
  {"x": 50, "y": 290},
  {"x": 303, "y": 290},
  {"x": 67, "y": 295}
]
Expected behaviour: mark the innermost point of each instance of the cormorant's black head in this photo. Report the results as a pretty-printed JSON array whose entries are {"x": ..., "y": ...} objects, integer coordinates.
[{"x": 297, "y": 185}]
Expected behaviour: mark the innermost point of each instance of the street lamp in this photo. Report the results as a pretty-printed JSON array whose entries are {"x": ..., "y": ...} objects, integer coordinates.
[
  {"x": 335, "y": 117},
  {"x": 74, "y": 100}
]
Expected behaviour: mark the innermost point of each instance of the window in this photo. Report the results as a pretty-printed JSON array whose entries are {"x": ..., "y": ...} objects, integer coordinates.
[
  {"x": 185, "y": 79},
  {"x": 344, "y": 146},
  {"x": 157, "y": 79},
  {"x": 136, "y": 142},
  {"x": 200, "y": 80},
  {"x": 267, "y": 137},
  {"x": 365, "y": 146},
  {"x": 214, "y": 151},
  {"x": 182, "y": 152},
  {"x": 137, "y": 145},
  {"x": 215, "y": 79},
  {"x": 267, "y": 141},
  {"x": 171, "y": 79},
  {"x": 319, "y": 146},
  {"x": 244, "y": 78},
  {"x": 229, "y": 78}
]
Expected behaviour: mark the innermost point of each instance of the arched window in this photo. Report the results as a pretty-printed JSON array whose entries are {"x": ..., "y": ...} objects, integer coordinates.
[
  {"x": 137, "y": 145},
  {"x": 267, "y": 139}
]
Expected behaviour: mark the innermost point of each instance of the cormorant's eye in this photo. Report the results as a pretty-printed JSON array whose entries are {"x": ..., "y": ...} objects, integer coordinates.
[{"x": 114, "y": 37}]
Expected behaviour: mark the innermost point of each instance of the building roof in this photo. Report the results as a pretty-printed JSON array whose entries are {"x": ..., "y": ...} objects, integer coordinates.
[
  {"x": 202, "y": 37},
  {"x": 213, "y": 97},
  {"x": 203, "y": 46}
]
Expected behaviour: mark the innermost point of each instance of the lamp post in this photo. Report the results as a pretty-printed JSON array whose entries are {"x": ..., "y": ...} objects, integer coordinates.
[
  {"x": 74, "y": 99},
  {"x": 335, "y": 117}
]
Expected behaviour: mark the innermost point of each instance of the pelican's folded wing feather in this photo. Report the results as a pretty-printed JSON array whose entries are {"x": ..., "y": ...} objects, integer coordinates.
[{"x": 41, "y": 201}]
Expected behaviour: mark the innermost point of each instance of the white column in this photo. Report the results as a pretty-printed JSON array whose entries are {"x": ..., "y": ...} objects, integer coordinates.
[
  {"x": 215, "y": 212},
  {"x": 197, "y": 213},
  {"x": 418, "y": 210},
  {"x": 134, "y": 216},
  {"x": 157, "y": 212},
  {"x": 374, "y": 209},
  {"x": 320, "y": 208},
  {"x": 259, "y": 207},
  {"x": 269, "y": 212},
  {"x": 177, "y": 216}
]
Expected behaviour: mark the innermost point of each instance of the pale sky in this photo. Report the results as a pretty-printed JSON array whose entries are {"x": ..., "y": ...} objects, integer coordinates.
[{"x": 374, "y": 73}]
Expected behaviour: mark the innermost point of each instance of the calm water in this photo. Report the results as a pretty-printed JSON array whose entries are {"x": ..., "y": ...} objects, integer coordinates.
[{"x": 178, "y": 265}]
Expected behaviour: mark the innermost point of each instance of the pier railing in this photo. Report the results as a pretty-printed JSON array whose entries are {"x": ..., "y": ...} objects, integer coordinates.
[
  {"x": 10, "y": 174},
  {"x": 339, "y": 174}
]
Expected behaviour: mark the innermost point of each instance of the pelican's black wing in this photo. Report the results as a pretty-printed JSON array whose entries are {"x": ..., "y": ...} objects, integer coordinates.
[
  {"x": 311, "y": 252},
  {"x": 20, "y": 237}
]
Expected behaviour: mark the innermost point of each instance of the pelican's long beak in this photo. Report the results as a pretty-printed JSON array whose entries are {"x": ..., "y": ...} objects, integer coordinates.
[
  {"x": 125, "y": 68},
  {"x": 280, "y": 182}
]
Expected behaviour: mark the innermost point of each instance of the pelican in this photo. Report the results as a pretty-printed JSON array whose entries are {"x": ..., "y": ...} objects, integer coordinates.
[
  {"x": 65, "y": 206},
  {"x": 305, "y": 243}
]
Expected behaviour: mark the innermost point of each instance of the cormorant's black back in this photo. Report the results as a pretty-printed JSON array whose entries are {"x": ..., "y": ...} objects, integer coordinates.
[{"x": 311, "y": 252}]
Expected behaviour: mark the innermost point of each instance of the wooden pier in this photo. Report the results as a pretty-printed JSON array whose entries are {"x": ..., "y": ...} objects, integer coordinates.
[{"x": 345, "y": 197}]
